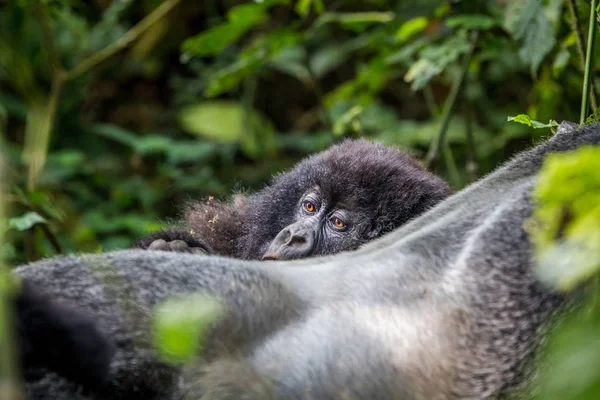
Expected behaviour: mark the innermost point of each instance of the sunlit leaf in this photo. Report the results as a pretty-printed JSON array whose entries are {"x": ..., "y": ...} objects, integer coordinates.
[
  {"x": 411, "y": 28},
  {"x": 224, "y": 121},
  {"x": 26, "y": 221},
  {"x": 526, "y": 120},
  {"x": 216, "y": 120},
  {"x": 303, "y": 7},
  {"x": 346, "y": 119}
]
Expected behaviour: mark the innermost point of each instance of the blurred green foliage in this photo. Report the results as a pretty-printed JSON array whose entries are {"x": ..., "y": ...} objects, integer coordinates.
[
  {"x": 114, "y": 112},
  {"x": 565, "y": 230}
]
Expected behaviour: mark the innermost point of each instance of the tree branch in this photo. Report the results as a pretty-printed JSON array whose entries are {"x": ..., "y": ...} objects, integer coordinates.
[{"x": 129, "y": 37}]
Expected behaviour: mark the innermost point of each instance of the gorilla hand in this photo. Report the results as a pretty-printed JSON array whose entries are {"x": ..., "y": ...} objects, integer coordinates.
[{"x": 176, "y": 241}]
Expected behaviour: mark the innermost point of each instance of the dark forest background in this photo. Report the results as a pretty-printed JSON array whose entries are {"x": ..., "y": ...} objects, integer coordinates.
[{"x": 115, "y": 112}]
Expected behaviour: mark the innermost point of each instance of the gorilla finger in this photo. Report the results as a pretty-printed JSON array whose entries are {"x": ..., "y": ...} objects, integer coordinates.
[
  {"x": 179, "y": 246},
  {"x": 159, "y": 244},
  {"x": 198, "y": 250}
]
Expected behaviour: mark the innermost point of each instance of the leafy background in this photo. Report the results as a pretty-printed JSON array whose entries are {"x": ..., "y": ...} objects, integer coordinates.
[
  {"x": 216, "y": 95},
  {"x": 112, "y": 113}
]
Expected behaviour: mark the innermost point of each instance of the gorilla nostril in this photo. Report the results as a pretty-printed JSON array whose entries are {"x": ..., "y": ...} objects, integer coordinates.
[
  {"x": 299, "y": 239},
  {"x": 296, "y": 240}
]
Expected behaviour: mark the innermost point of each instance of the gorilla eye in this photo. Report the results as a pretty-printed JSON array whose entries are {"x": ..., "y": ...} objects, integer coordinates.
[
  {"x": 309, "y": 206},
  {"x": 338, "y": 223}
]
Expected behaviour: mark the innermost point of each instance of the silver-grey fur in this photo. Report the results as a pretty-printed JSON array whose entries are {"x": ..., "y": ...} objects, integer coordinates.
[{"x": 446, "y": 307}]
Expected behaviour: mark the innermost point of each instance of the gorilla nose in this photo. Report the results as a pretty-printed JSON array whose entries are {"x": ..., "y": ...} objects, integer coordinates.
[{"x": 291, "y": 243}]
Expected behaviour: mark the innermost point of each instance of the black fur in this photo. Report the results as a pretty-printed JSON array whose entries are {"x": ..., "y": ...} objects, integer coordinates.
[
  {"x": 54, "y": 336},
  {"x": 378, "y": 188}
]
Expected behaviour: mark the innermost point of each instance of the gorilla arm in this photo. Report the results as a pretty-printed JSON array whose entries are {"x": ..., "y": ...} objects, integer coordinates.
[
  {"x": 210, "y": 227},
  {"x": 445, "y": 307},
  {"x": 60, "y": 338}
]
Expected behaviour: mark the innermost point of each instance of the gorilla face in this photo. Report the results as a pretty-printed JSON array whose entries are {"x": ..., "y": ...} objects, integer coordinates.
[
  {"x": 330, "y": 202},
  {"x": 336, "y": 201},
  {"x": 322, "y": 225}
]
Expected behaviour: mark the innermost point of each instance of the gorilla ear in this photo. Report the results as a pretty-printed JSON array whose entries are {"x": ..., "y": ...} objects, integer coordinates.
[{"x": 566, "y": 127}]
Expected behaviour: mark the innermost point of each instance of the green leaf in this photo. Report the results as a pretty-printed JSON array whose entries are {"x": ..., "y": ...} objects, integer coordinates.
[
  {"x": 180, "y": 152},
  {"x": 240, "y": 19},
  {"x": 247, "y": 15},
  {"x": 153, "y": 144},
  {"x": 434, "y": 59},
  {"x": 303, "y": 7},
  {"x": 527, "y": 22},
  {"x": 26, "y": 221},
  {"x": 180, "y": 325},
  {"x": 355, "y": 21},
  {"x": 411, "y": 28},
  {"x": 473, "y": 21},
  {"x": 115, "y": 133},
  {"x": 229, "y": 77},
  {"x": 213, "y": 41},
  {"x": 251, "y": 59},
  {"x": 526, "y": 120},
  {"x": 221, "y": 121},
  {"x": 362, "y": 89},
  {"x": 229, "y": 122},
  {"x": 340, "y": 125},
  {"x": 292, "y": 61},
  {"x": 331, "y": 56},
  {"x": 561, "y": 60}
]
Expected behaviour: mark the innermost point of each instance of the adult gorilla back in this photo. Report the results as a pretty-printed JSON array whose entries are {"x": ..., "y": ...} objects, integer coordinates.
[{"x": 445, "y": 307}]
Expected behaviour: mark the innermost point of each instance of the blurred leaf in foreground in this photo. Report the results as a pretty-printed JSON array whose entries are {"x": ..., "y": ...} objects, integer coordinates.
[
  {"x": 566, "y": 223},
  {"x": 180, "y": 325}
]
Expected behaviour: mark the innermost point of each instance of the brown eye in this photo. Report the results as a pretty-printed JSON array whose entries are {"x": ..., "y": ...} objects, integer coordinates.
[
  {"x": 338, "y": 223},
  {"x": 309, "y": 206}
]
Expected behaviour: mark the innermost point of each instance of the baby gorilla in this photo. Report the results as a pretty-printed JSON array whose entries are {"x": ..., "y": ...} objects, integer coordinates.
[{"x": 330, "y": 202}]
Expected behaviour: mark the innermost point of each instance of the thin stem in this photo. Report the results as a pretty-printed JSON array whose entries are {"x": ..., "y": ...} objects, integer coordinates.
[
  {"x": 39, "y": 146},
  {"x": 316, "y": 87},
  {"x": 9, "y": 378},
  {"x": 48, "y": 38},
  {"x": 453, "y": 173},
  {"x": 249, "y": 93},
  {"x": 577, "y": 29},
  {"x": 131, "y": 35},
  {"x": 588, "y": 62},
  {"x": 51, "y": 238},
  {"x": 437, "y": 143},
  {"x": 430, "y": 101}
]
